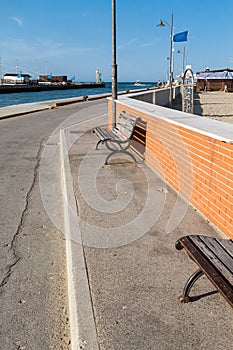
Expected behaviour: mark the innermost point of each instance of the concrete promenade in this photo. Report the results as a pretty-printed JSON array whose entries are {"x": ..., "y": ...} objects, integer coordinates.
[
  {"x": 133, "y": 270},
  {"x": 126, "y": 273}
]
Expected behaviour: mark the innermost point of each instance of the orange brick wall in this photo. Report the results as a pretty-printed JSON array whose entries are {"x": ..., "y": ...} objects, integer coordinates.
[{"x": 199, "y": 167}]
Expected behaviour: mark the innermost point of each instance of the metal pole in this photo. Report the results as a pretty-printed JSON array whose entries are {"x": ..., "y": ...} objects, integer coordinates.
[
  {"x": 171, "y": 63},
  {"x": 114, "y": 65},
  {"x": 167, "y": 72},
  {"x": 184, "y": 60}
]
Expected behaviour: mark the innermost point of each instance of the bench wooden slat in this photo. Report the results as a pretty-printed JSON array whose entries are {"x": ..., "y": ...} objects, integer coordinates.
[
  {"x": 216, "y": 254},
  {"x": 192, "y": 246},
  {"x": 126, "y": 124},
  {"x": 106, "y": 134},
  {"x": 228, "y": 246},
  {"x": 218, "y": 249},
  {"x": 124, "y": 131}
]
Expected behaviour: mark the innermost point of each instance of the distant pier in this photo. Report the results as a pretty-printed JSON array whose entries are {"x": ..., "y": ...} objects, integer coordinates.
[{"x": 6, "y": 89}]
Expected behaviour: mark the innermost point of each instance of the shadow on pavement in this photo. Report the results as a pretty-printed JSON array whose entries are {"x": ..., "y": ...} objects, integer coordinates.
[{"x": 135, "y": 280}]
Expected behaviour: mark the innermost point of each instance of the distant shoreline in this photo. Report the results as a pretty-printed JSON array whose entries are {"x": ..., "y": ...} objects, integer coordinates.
[
  {"x": 9, "y": 99},
  {"x": 7, "y": 89}
]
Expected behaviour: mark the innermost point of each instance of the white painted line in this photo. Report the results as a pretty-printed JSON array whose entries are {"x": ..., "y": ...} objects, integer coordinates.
[{"x": 82, "y": 321}]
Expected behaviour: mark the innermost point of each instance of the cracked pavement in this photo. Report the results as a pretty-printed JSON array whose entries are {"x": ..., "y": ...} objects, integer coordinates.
[
  {"x": 33, "y": 285},
  {"x": 11, "y": 255}
]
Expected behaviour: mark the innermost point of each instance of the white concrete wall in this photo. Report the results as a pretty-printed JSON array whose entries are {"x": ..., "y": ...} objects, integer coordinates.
[{"x": 158, "y": 97}]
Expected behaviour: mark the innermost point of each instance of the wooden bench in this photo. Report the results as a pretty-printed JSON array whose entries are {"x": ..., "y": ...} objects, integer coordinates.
[
  {"x": 214, "y": 258},
  {"x": 119, "y": 139}
]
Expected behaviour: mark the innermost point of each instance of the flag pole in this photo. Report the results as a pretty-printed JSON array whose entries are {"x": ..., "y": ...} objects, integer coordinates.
[
  {"x": 171, "y": 63},
  {"x": 114, "y": 65}
]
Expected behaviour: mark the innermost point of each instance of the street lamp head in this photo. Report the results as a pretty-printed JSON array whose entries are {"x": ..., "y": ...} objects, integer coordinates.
[
  {"x": 161, "y": 24},
  {"x": 164, "y": 24}
]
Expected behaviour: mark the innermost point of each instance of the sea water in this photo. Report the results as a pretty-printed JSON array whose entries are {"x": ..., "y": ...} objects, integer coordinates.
[{"x": 29, "y": 97}]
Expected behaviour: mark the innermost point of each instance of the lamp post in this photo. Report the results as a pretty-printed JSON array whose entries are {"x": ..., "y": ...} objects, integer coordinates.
[
  {"x": 114, "y": 65},
  {"x": 167, "y": 67},
  {"x": 163, "y": 24}
]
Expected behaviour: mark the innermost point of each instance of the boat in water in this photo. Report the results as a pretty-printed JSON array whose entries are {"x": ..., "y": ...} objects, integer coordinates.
[{"x": 138, "y": 83}]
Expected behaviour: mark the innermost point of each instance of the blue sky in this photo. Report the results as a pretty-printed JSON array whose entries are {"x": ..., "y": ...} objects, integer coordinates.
[{"x": 73, "y": 37}]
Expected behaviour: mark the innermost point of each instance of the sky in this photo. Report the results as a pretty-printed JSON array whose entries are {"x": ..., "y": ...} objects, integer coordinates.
[{"x": 74, "y": 37}]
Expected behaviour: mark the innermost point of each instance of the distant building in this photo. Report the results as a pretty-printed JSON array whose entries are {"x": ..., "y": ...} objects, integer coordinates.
[
  {"x": 53, "y": 79},
  {"x": 19, "y": 78},
  {"x": 215, "y": 80}
]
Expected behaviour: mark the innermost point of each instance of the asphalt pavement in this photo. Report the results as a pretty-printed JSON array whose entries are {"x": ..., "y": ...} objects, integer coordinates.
[{"x": 33, "y": 280}]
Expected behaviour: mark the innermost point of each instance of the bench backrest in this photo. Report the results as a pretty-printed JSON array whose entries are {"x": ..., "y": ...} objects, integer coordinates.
[{"x": 126, "y": 124}]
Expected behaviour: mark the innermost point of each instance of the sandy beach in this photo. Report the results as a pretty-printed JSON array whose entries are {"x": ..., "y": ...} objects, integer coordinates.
[{"x": 215, "y": 105}]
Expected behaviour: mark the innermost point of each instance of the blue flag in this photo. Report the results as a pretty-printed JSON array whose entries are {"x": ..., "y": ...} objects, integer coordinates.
[{"x": 183, "y": 36}]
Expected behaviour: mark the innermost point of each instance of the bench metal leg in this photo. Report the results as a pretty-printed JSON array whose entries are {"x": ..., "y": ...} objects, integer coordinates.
[
  {"x": 125, "y": 152},
  {"x": 97, "y": 145},
  {"x": 185, "y": 298}
]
